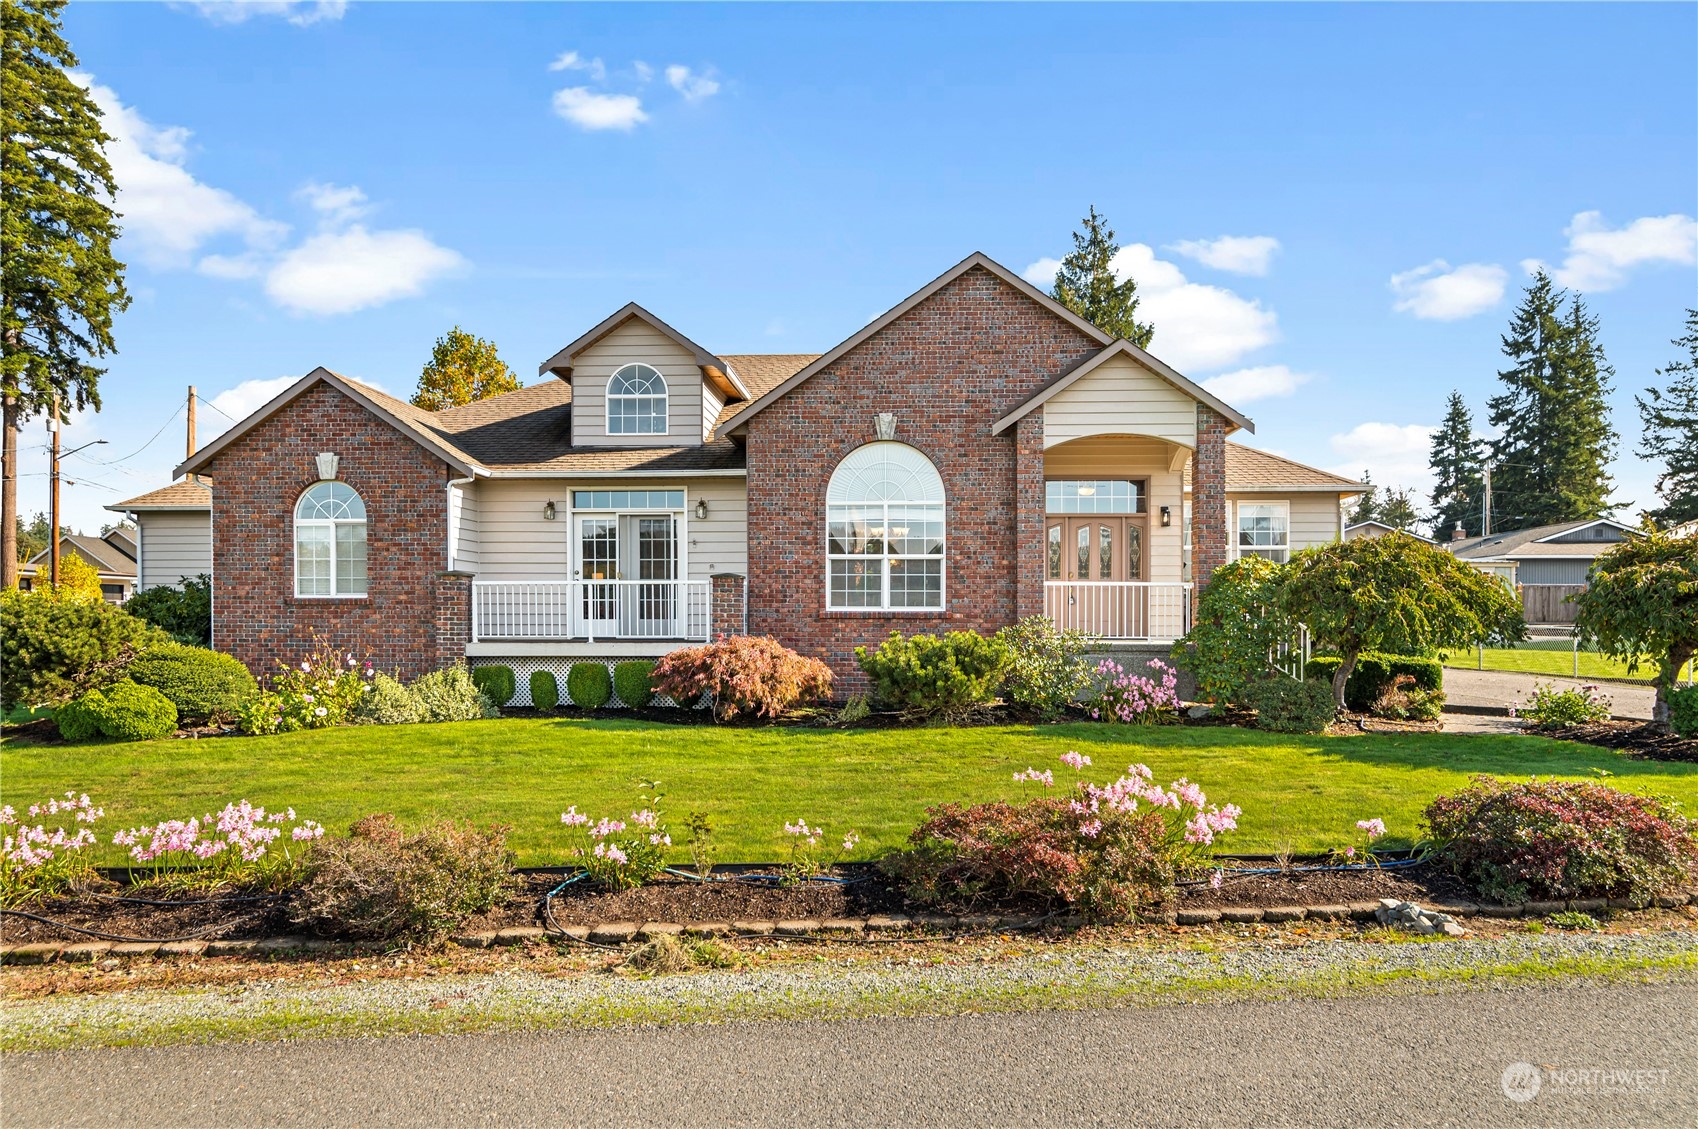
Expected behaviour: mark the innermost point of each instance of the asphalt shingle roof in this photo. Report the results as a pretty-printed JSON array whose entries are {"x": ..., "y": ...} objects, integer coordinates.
[{"x": 187, "y": 494}]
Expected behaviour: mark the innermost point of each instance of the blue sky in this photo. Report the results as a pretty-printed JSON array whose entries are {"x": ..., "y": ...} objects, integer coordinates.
[{"x": 1328, "y": 209}]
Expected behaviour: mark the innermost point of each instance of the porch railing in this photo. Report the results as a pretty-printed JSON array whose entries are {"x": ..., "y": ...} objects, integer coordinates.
[
  {"x": 1120, "y": 609},
  {"x": 589, "y": 610}
]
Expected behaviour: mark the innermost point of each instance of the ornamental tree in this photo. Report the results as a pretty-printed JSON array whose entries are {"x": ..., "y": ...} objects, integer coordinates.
[
  {"x": 1641, "y": 600},
  {"x": 462, "y": 368},
  {"x": 1239, "y": 624},
  {"x": 1398, "y": 594}
]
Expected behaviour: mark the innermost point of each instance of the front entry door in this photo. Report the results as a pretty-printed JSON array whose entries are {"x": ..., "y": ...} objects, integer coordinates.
[
  {"x": 1100, "y": 550},
  {"x": 598, "y": 567},
  {"x": 629, "y": 563}
]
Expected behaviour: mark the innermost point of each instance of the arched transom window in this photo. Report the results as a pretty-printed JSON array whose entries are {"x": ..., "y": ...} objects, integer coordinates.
[
  {"x": 884, "y": 530},
  {"x": 636, "y": 402},
  {"x": 330, "y": 541}
]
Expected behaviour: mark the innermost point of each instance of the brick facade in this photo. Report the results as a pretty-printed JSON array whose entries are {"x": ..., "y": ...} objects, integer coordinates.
[
  {"x": 947, "y": 369},
  {"x": 728, "y": 604},
  {"x": 1208, "y": 497},
  {"x": 413, "y": 618}
]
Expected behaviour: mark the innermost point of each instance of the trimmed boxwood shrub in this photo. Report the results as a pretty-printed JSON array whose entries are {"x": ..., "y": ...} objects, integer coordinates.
[
  {"x": 77, "y": 720},
  {"x": 1285, "y": 705},
  {"x": 496, "y": 682},
  {"x": 589, "y": 685},
  {"x": 1683, "y": 711},
  {"x": 124, "y": 711},
  {"x": 633, "y": 682},
  {"x": 1376, "y": 673},
  {"x": 204, "y": 685},
  {"x": 936, "y": 675},
  {"x": 545, "y": 691}
]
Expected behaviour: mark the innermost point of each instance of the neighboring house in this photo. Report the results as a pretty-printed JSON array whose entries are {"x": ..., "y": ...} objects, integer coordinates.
[
  {"x": 1380, "y": 529},
  {"x": 1547, "y": 563},
  {"x": 974, "y": 455},
  {"x": 174, "y": 532},
  {"x": 113, "y": 555}
]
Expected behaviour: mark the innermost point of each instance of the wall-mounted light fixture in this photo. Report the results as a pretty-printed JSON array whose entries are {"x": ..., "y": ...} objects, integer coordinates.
[
  {"x": 701, "y": 509},
  {"x": 548, "y": 510},
  {"x": 1166, "y": 517}
]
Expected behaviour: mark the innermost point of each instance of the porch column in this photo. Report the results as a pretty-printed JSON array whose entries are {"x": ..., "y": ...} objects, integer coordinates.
[
  {"x": 1029, "y": 515},
  {"x": 728, "y": 605},
  {"x": 452, "y": 628},
  {"x": 1208, "y": 497}
]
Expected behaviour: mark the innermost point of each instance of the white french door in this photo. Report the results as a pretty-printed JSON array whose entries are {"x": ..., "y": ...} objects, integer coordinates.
[{"x": 629, "y": 566}]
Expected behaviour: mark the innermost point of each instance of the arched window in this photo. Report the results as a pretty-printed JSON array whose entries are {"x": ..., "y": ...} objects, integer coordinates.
[
  {"x": 330, "y": 541},
  {"x": 884, "y": 530},
  {"x": 636, "y": 402}
]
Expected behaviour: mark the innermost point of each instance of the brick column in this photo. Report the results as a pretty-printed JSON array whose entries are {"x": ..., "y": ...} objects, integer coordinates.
[
  {"x": 451, "y": 629},
  {"x": 729, "y": 606},
  {"x": 1029, "y": 515},
  {"x": 1208, "y": 497}
]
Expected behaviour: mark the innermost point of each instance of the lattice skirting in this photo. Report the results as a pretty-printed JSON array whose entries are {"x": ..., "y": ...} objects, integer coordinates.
[{"x": 524, "y": 668}]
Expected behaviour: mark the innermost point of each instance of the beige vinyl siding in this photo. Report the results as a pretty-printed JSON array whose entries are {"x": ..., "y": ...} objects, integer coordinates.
[
  {"x": 636, "y": 341},
  {"x": 463, "y": 529},
  {"x": 174, "y": 545},
  {"x": 1121, "y": 396},
  {"x": 517, "y": 543},
  {"x": 1313, "y": 518},
  {"x": 1120, "y": 457},
  {"x": 712, "y": 405}
]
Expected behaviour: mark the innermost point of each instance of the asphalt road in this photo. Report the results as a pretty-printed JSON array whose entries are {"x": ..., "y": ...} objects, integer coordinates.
[{"x": 1424, "y": 1060}]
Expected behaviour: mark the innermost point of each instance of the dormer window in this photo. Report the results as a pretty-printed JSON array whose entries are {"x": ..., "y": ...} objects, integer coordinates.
[{"x": 636, "y": 401}]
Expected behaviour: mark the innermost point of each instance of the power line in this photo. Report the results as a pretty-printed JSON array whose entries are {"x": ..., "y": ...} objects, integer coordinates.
[{"x": 126, "y": 458}]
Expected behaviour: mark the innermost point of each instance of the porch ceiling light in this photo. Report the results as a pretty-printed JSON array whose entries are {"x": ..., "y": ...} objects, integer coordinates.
[
  {"x": 701, "y": 509},
  {"x": 1087, "y": 491},
  {"x": 548, "y": 510}
]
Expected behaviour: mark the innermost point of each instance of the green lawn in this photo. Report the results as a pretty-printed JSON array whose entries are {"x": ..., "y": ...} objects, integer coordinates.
[
  {"x": 1553, "y": 657},
  {"x": 1302, "y": 793}
]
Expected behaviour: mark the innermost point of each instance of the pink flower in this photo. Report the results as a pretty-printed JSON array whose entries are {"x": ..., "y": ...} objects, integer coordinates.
[
  {"x": 1091, "y": 828},
  {"x": 1374, "y": 827},
  {"x": 1046, "y": 777},
  {"x": 572, "y": 817},
  {"x": 1216, "y": 879},
  {"x": 850, "y": 840},
  {"x": 1075, "y": 760}
]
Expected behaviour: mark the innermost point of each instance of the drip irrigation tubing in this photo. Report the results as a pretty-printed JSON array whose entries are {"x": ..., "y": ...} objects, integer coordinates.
[
  {"x": 1349, "y": 868},
  {"x": 192, "y": 935}
]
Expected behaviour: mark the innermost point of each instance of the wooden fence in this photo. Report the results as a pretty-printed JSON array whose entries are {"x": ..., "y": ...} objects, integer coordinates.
[{"x": 1548, "y": 603}]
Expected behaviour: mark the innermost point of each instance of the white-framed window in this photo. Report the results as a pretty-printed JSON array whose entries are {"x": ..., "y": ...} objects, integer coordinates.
[
  {"x": 1264, "y": 530},
  {"x": 884, "y": 531},
  {"x": 330, "y": 541},
  {"x": 636, "y": 401}
]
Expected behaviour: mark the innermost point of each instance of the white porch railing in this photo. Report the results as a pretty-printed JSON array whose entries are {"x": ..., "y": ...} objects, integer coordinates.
[
  {"x": 1120, "y": 609},
  {"x": 591, "y": 609},
  {"x": 1292, "y": 656}
]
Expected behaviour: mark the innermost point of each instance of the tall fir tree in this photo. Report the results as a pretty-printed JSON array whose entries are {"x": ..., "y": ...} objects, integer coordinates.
[
  {"x": 1550, "y": 462},
  {"x": 1367, "y": 503},
  {"x": 1670, "y": 417},
  {"x": 60, "y": 282},
  {"x": 462, "y": 368},
  {"x": 1086, "y": 284},
  {"x": 1455, "y": 459}
]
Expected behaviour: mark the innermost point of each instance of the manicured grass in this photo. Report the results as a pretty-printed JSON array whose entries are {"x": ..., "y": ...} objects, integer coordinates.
[
  {"x": 1554, "y": 657},
  {"x": 1299, "y": 793}
]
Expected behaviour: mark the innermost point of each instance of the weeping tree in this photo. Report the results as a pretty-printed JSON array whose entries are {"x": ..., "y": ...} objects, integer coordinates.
[
  {"x": 1641, "y": 599},
  {"x": 1394, "y": 593}
]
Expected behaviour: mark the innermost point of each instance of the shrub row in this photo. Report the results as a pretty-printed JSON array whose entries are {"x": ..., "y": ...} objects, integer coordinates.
[{"x": 589, "y": 684}]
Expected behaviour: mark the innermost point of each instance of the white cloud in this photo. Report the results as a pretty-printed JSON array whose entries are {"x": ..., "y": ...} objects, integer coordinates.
[
  {"x": 1439, "y": 292},
  {"x": 231, "y": 266},
  {"x": 1240, "y": 254},
  {"x": 1197, "y": 327},
  {"x": 338, "y": 272},
  {"x": 1394, "y": 454},
  {"x": 694, "y": 87},
  {"x": 586, "y": 109},
  {"x": 1262, "y": 382},
  {"x": 643, "y": 71},
  {"x": 301, "y": 13},
  {"x": 1042, "y": 273},
  {"x": 572, "y": 61},
  {"x": 233, "y": 404},
  {"x": 1600, "y": 256},
  {"x": 336, "y": 204},
  {"x": 168, "y": 215}
]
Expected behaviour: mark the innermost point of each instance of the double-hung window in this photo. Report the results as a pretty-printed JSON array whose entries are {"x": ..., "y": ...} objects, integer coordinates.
[
  {"x": 330, "y": 541},
  {"x": 636, "y": 401},
  {"x": 884, "y": 531},
  {"x": 1264, "y": 530}
]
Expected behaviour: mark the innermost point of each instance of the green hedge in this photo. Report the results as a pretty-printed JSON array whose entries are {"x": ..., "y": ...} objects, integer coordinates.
[
  {"x": 1374, "y": 672},
  {"x": 633, "y": 682},
  {"x": 496, "y": 682},
  {"x": 1285, "y": 705},
  {"x": 124, "y": 711},
  {"x": 589, "y": 685},
  {"x": 204, "y": 685},
  {"x": 545, "y": 691},
  {"x": 1683, "y": 711}
]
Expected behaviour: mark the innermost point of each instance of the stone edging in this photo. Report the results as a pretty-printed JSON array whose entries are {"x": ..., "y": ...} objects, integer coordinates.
[{"x": 615, "y": 933}]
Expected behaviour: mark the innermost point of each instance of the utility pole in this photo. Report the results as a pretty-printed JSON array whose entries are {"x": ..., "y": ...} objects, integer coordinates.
[
  {"x": 191, "y": 450},
  {"x": 53, "y": 497},
  {"x": 1486, "y": 509}
]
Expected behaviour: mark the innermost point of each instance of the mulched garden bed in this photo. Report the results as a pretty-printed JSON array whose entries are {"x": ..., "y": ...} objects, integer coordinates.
[
  {"x": 1420, "y": 883},
  {"x": 1631, "y": 737}
]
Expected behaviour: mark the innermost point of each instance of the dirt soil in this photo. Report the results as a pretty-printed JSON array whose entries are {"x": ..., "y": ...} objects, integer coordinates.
[
  {"x": 1420, "y": 883},
  {"x": 1631, "y": 737}
]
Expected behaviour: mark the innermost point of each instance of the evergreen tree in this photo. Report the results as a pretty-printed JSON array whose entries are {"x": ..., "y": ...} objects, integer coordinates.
[
  {"x": 1086, "y": 284},
  {"x": 1455, "y": 459},
  {"x": 462, "y": 368},
  {"x": 1550, "y": 462},
  {"x": 60, "y": 283},
  {"x": 1397, "y": 509},
  {"x": 1367, "y": 503},
  {"x": 1670, "y": 417},
  {"x": 32, "y": 536}
]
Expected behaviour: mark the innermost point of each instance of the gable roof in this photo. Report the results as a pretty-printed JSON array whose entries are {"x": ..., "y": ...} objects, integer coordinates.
[
  {"x": 415, "y": 423},
  {"x": 1534, "y": 542},
  {"x": 977, "y": 259},
  {"x": 1388, "y": 529},
  {"x": 97, "y": 551},
  {"x": 715, "y": 369},
  {"x": 1124, "y": 348},
  {"x": 1248, "y": 470},
  {"x": 189, "y": 494}
]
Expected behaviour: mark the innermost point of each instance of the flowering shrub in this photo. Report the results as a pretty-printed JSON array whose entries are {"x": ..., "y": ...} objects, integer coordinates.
[
  {"x": 321, "y": 691},
  {"x": 1107, "y": 851},
  {"x": 384, "y": 884},
  {"x": 1562, "y": 839},
  {"x": 36, "y": 862},
  {"x": 234, "y": 847},
  {"x": 623, "y": 854},
  {"x": 1047, "y": 669},
  {"x": 947, "y": 676},
  {"x": 808, "y": 854},
  {"x": 1135, "y": 698},
  {"x": 742, "y": 674},
  {"x": 1550, "y": 708}
]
